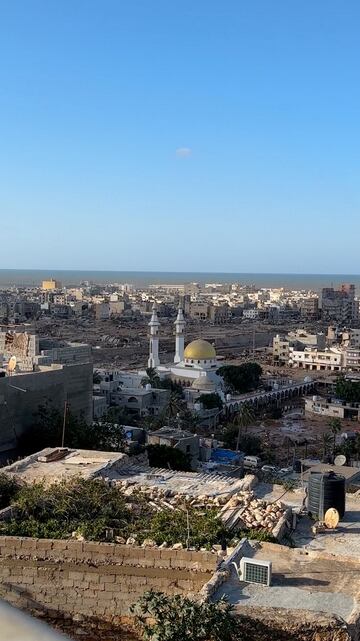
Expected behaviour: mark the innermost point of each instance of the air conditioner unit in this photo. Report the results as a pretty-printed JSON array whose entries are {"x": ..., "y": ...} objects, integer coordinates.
[{"x": 252, "y": 571}]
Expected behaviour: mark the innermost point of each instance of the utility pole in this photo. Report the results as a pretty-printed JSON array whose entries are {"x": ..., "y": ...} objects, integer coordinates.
[{"x": 64, "y": 424}]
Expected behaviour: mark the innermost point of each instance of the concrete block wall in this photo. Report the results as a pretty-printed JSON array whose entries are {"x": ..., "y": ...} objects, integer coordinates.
[{"x": 63, "y": 579}]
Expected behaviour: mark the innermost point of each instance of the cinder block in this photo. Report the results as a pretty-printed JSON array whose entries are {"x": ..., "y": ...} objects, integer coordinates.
[
  {"x": 44, "y": 544},
  {"x": 107, "y": 578},
  {"x": 77, "y": 576},
  {"x": 67, "y": 583},
  {"x": 28, "y": 544}
]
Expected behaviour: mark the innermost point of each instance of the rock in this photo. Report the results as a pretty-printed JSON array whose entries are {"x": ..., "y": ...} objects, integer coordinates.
[
  {"x": 163, "y": 545},
  {"x": 120, "y": 540},
  {"x": 178, "y": 546},
  {"x": 149, "y": 543},
  {"x": 131, "y": 541}
]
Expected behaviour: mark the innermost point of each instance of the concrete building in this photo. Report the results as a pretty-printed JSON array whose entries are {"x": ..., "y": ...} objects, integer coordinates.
[
  {"x": 199, "y": 310},
  {"x": 309, "y": 307},
  {"x": 22, "y": 393},
  {"x": 252, "y": 313},
  {"x": 296, "y": 340},
  {"x": 352, "y": 359},
  {"x": 51, "y": 284},
  {"x": 102, "y": 311},
  {"x": 333, "y": 408},
  {"x": 331, "y": 359},
  {"x": 116, "y": 308},
  {"x": 179, "y": 439},
  {"x": 338, "y": 304},
  {"x": 55, "y": 464}
]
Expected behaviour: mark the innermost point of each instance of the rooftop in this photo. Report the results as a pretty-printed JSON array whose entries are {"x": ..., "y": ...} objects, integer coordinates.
[
  {"x": 301, "y": 579},
  {"x": 55, "y": 464},
  {"x": 350, "y": 473},
  {"x": 170, "y": 432}
]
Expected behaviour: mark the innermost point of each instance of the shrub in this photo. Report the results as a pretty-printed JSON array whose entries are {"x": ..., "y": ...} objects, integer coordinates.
[
  {"x": 9, "y": 489},
  {"x": 177, "y": 618},
  {"x": 168, "y": 457}
]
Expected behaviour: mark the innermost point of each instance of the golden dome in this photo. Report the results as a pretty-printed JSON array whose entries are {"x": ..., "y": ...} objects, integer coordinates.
[{"x": 199, "y": 350}]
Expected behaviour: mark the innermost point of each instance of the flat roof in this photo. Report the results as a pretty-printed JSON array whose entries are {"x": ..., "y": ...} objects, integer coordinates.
[
  {"x": 301, "y": 579},
  {"x": 86, "y": 463},
  {"x": 350, "y": 473},
  {"x": 169, "y": 432}
]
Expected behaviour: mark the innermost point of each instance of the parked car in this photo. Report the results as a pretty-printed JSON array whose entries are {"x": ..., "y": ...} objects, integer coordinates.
[
  {"x": 286, "y": 470},
  {"x": 269, "y": 469},
  {"x": 251, "y": 462}
]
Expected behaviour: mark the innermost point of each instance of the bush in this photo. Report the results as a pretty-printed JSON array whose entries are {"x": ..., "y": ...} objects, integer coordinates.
[
  {"x": 9, "y": 489},
  {"x": 168, "y": 457},
  {"x": 47, "y": 430},
  {"x": 89, "y": 507},
  {"x": 211, "y": 401},
  {"x": 177, "y": 618},
  {"x": 241, "y": 378},
  {"x": 248, "y": 443},
  {"x": 191, "y": 527}
]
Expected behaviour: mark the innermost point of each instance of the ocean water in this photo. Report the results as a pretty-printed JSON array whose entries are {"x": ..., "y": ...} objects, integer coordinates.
[{"x": 24, "y": 277}]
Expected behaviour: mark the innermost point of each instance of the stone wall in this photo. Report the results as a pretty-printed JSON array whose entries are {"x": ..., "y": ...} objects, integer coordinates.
[{"x": 60, "y": 579}]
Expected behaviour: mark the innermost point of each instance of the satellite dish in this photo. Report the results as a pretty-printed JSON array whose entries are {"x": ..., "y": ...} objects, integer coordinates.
[
  {"x": 340, "y": 460},
  {"x": 331, "y": 518},
  {"x": 12, "y": 364}
]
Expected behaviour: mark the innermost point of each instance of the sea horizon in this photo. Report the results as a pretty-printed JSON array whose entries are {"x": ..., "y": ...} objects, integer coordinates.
[{"x": 34, "y": 277}]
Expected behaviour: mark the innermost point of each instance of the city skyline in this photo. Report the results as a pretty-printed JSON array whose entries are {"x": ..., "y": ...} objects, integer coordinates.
[{"x": 192, "y": 138}]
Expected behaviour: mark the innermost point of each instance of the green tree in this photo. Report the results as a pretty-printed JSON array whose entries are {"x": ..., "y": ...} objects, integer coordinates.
[
  {"x": 211, "y": 401},
  {"x": 9, "y": 489},
  {"x": 327, "y": 440},
  {"x": 168, "y": 457},
  {"x": 177, "y": 618},
  {"x": 175, "y": 405},
  {"x": 348, "y": 391},
  {"x": 242, "y": 420},
  {"x": 335, "y": 429},
  {"x": 248, "y": 443},
  {"x": 152, "y": 377},
  {"x": 48, "y": 430},
  {"x": 241, "y": 378}
]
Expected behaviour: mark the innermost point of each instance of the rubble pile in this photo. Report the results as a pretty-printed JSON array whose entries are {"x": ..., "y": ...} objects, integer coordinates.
[
  {"x": 241, "y": 510},
  {"x": 244, "y": 510}
]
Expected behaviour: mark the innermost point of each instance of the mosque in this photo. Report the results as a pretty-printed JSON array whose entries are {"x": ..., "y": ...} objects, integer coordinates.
[{"x": 194, "y": 366}]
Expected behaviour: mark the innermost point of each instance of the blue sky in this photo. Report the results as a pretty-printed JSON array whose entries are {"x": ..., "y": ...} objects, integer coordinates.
[{"x": 167, "y": 135}]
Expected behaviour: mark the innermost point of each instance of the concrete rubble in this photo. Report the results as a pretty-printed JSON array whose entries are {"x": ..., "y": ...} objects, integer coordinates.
[{"x": 239, "y": 509}]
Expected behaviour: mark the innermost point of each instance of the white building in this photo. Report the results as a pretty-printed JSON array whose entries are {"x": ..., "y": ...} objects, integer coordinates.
[{"x": 332, "y": 359}]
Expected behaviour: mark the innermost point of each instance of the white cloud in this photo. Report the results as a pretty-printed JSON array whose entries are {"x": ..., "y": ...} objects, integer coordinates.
[{"x": 183, "y": 152}]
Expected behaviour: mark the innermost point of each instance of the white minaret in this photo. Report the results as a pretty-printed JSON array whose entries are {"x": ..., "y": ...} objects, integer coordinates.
[
  {"x": 179, "y": 340},
  {"x": 154, "y": 325}
]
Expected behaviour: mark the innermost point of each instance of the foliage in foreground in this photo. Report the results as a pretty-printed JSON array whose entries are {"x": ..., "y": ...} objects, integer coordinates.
[
  {"x": 177, "y": 618},
  {"x": 9, "y": 489},
  {"x": 88, "y": 507},
  {"x": 98, "y": 512}
]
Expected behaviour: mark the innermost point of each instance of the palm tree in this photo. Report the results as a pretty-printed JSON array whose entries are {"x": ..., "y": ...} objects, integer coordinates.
[
  {"x": 327, "y": 440},
  {"x": 175, "y": 405},
  {"x": 243, "y": 419},
  {"x": 335, "y": 428},
  {"x": 152, "y": 377}
]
